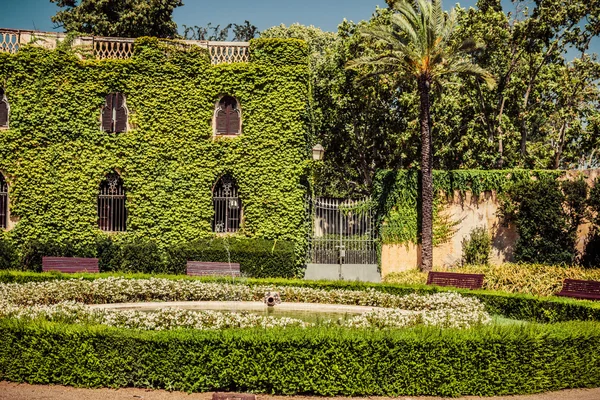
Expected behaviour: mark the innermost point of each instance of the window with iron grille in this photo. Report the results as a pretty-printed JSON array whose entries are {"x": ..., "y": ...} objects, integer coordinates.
[
  {"x": 3, "y": 203},
  {"x": 227, "y": 206},
  {"x": 112, "y": 213},
  {"x": 114, "y": 113},
  {"x": 227, "y": 117},
  {"x": 4, "y": 109}
]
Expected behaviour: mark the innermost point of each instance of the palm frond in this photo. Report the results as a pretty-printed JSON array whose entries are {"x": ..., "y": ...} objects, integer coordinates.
[{"x": 417, "y": 40}]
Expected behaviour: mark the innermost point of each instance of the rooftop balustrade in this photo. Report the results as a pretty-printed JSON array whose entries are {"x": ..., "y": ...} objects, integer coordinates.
[{"x": 11, "y": 40}]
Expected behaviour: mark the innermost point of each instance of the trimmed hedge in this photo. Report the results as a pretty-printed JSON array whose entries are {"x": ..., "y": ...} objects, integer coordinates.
[
  {"x": 497, "y": 360},
  {"x": 510, "y": 305},
  {"x": 257, "y": 257}
]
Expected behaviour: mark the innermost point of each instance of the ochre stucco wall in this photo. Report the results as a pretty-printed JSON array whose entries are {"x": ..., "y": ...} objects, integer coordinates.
[{"x": 470, "y": 212}]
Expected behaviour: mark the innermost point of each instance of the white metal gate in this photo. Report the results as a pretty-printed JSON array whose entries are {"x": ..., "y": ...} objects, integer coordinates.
[{"x": 343, "y": 240}]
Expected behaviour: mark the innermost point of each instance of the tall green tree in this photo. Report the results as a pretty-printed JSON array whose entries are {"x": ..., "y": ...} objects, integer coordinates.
[
  {"x": 364, "y": 127},
  {"x": 530, "y": 50},
  {"x": 118, "y": 18},
  {"x": 418, "y": 43}
]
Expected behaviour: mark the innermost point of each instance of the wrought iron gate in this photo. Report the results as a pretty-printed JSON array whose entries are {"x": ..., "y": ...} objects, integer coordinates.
[{"x": 342, "y": 232}]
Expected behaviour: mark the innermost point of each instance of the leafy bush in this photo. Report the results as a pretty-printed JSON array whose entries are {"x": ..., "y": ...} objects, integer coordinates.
[
  {"x": 257, "y": 257},
  {"x": 477, "y": 248},
  {"x": 326, "y": 362},
  {"x": 31, "y": 253},
  {"x": 591, "y": 254},
  {"x": 545, "y": 235},
  {"x": 8, "y": 256},
  {"x": 131, "y": 256},
  {"x": 275, "y": 51}
]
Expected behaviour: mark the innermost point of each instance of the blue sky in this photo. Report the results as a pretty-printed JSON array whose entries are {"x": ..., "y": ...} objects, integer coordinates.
[{"x": 325, "y": 14}]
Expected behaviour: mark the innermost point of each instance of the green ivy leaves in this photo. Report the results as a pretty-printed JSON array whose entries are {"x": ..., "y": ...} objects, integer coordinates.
[{"x": 55, "y": 155}]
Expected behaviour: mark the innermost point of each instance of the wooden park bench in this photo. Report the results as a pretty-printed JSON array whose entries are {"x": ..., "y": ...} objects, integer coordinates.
[
  {"x": 464, "y": 281},
  {"x": 580, "y": 289},
  {"x": 204, "y": 268},
  {"x": 70, "y": 264}
]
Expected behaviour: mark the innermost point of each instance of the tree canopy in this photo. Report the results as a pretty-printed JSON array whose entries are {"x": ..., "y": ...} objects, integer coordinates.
[
  {"x": 547, "y": 97},
  {"x": 120, "y": 18}
]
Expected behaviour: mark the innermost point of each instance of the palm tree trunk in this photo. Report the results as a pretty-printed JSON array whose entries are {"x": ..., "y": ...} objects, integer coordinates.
[{"x": 426, "y": 178}]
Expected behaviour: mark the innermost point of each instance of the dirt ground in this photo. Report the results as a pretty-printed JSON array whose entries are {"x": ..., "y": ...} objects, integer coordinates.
[{"x": 20, "y": 391}]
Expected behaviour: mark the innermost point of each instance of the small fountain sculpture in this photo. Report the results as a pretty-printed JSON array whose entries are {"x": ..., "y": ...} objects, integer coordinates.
[{"x": 271, "y": 299}]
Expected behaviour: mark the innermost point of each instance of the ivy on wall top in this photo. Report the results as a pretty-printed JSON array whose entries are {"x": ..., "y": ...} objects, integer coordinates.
[
  {"x": 396, "y": 195},
  {"x": 55, "y": 154}
]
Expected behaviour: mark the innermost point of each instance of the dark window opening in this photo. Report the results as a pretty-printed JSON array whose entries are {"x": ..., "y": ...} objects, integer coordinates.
[
  {"x": 3, "y": 203},
  {"x": 114, "y": 114},
  {"x": 4, "y": 109},
  {"x": 227, "y": 206},
  {"x": 112, "y": 213},
  {"x": 228, "y": 117}
]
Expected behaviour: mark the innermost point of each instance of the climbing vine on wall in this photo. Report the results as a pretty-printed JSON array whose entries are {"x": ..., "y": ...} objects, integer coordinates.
[
  {"x": 396, "y": 194},
  {"x": 55, "y": 155}
]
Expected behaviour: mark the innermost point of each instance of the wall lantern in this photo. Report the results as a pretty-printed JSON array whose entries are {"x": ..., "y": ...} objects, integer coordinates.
[{"x": 318, "y": 152}]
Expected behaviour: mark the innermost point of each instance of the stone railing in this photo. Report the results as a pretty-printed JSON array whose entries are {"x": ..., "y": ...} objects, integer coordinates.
[{"x": 11, "y": 41}]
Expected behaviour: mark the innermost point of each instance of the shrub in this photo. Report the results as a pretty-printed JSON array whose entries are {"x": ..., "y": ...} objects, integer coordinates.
[
  {"x": 545, "y": 235},
  {"x": 591, "y": 254},
  {"x": 477, "y": 248},
  {"x": 257, "y": 257},
  {"x": 326, "y": 362},
  {"x": 133, "y": 255},
  {"x": 8, "y": 256},
  {"x": 31, "y": 253}
]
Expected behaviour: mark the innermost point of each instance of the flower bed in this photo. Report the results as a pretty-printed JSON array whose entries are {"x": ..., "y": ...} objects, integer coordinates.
[{"x": 64, "y": 300}]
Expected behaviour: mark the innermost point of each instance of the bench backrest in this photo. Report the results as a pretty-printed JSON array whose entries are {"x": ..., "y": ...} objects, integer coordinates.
[
  {"x": 581, "y": 286},
  {"x": 70, "y": 264},
  {"x": 204, "y": 268},
  {"x": 465, "y": 281}
]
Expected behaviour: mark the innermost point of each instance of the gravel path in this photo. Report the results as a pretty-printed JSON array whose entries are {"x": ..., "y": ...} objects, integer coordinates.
[{"x": 22, "y": 391}]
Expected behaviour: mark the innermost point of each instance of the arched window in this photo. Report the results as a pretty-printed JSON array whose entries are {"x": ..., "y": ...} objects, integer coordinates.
[
  {"x": 227, "y": 117},
  {"x": 112, "y": 214},
  {"x": 3, "y": 202},
  {"x": 227, "y": 206},
  {"x": 114, "y": 113},
  {"x": 4, "y": 109}
]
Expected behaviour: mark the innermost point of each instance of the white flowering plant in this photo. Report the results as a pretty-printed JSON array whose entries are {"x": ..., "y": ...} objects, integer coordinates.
[{"x": 67, "y": 300}]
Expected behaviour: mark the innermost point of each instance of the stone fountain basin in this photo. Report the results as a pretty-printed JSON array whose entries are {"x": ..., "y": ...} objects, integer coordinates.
[
  {"x": 238, "y": 306},
  {"x": 307, "y": 312}
]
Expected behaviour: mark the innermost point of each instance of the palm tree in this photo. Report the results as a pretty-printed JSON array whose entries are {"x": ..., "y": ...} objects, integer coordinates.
[{"x": 418, "y": 43}]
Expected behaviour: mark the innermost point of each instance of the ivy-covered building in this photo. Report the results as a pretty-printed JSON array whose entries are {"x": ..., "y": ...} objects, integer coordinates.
[{"x": 165, "y": 144}]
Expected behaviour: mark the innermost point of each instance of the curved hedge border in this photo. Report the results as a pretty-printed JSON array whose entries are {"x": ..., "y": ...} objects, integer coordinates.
[
  {"x": 511, "y": 305},
  {"x": 424, "y": 361}
]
